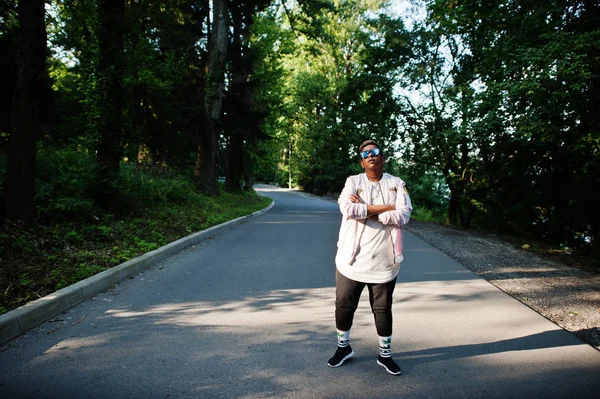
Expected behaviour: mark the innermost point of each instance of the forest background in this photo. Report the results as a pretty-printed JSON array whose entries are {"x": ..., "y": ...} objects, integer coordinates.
[{"x": 126, "y": 124}]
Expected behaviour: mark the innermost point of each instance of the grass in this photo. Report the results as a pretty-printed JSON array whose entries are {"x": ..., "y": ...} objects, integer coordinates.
[{"x": 61, "y": 251}]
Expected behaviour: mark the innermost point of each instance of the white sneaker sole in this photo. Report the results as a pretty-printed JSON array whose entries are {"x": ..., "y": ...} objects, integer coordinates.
[
  {"x": 388, "y": 370},
  {"x": 348, "y": 356}
]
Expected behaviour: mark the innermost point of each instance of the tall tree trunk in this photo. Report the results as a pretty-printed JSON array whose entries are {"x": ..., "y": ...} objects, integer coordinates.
[
  {"x": 453, "y": 205},
  {"x": 213, "y": 100},
  {"x": 596, "y": 245},
  {"x": 239, "y": 115},
  {"x": 455, "y": 195},
  {"x": 465, "y": 220},
  {"x": 25, "y": 120},
  {"x": 234, "y": 162},
  {"x": 202, "y": 18},
  {"x": 249, "y": 165},
  {"x": 111, "y": 93}
]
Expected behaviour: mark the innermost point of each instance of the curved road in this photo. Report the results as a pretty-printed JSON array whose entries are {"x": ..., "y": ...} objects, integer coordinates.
[{"x": 249, "y": 314}]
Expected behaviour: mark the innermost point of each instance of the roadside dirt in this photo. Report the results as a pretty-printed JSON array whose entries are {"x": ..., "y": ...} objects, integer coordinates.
[{"x": 568, "y": 296}]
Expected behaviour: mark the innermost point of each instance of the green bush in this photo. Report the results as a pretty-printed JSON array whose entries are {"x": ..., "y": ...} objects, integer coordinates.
[
  {"x": 63, "y": 180},
  {"x": 144, "y": 187},
  {"x": 427, "y": 215}
]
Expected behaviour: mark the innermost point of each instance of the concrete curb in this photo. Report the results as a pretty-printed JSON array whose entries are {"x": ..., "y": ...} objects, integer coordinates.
[{"x": 20, "y": 320}]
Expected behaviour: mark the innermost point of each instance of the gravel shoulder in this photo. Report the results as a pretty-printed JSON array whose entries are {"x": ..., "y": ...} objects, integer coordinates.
[{"x": 568, "y": 296}]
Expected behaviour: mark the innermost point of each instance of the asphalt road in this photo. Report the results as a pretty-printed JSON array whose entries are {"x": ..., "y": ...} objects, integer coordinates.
[{"x": 249, "y": 314}]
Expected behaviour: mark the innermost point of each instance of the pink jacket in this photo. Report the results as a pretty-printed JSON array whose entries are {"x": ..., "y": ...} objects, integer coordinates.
[{"x": 354, "y": 215}]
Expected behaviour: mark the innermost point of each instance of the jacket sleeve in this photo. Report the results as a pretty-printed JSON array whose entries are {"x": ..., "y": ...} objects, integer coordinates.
[
  {"x": 401, "y": 215},
  {"x": 349, "y": 209}
]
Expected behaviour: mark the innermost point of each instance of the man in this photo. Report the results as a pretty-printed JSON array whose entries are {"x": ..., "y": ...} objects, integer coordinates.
[{"x": 375, "y": 206}]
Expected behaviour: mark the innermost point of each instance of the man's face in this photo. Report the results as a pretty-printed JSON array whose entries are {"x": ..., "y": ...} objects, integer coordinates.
[{"x": 372, "y": 162}]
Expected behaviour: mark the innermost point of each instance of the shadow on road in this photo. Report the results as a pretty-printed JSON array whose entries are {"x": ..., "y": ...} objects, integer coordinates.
[{"x": 249, "y": 314}]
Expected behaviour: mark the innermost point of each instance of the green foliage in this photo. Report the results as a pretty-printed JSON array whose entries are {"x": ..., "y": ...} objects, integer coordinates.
[
  {"x": 426, "y": 188},
  {"x": 66, "y": 275},
  {"x": 64, "y": 177},
  {"x": 508, "y": 90},
  {"x": 338, "y": 90},
  {"x": 426, "y": 215},
  {"x": 24, "y": 281},
  {"x": 73, "y": 237},
  {"x": 61, "y": 251},
  {"x": 161, "y": 74},
  {"x": 147, "y": 188},
  {"x": 488, "y": 110}
]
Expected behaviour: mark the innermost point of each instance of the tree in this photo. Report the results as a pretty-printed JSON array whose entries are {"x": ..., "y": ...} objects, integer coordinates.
[
  {"x": 438, "y": 127},
  {"x": 213, "y": 100},
  {"x": 25, "y": 121},
  {"x": 341, "y": 88},
  {"x": 9, "y": 43},
  {"x": 270, "y": 45},
  {"x": 532, "y": 137},
  {"x": 111, "y": 24},
  {"x": 240, "y": 99},
  {"x": 165, "y": 56}
]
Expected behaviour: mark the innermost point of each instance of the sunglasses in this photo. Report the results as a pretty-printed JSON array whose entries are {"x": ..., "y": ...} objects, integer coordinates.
[{"x": 374, "y": 151}]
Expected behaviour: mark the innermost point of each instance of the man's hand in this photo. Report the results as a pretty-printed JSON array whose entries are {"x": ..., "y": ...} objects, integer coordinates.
[
  {"x": 375, "y": 210},
  {"x": 372, "y": 210},
  {"x": 356, "y": 199}
]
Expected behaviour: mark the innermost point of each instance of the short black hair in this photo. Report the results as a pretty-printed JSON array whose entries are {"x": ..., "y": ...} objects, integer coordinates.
[{"x": 366, "y": 143}]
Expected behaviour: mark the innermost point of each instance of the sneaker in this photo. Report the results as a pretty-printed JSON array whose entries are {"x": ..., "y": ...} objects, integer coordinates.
[
  {"x": 389, "y": 365},
  {"x": 340, "y": 356}
]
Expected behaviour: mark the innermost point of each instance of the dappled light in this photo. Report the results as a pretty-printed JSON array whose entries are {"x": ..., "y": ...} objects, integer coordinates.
[
  {"x": 188, "y": 340},
  {"x": 259, "y": 310},
  {"x": 187, "y": 157}
]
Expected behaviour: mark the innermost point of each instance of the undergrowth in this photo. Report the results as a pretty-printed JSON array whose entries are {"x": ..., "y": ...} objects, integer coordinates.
[
  {"x": 75, "y": 239},
  {"x": 426, "y": 215}
]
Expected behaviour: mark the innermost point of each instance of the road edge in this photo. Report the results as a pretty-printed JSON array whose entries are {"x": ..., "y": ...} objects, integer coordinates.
[{"x": 18, "y": 321}]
